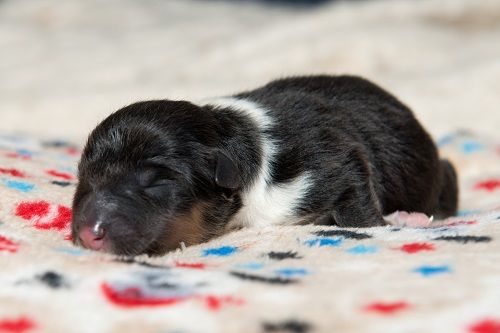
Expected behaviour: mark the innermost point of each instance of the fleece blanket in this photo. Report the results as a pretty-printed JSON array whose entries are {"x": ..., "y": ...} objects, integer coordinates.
[{"x": 443, "y": 278}]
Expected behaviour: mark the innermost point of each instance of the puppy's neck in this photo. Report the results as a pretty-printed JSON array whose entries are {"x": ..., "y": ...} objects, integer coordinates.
[
  {"x": 247, "y": 131},
  {"x": 243, "y": 128}
]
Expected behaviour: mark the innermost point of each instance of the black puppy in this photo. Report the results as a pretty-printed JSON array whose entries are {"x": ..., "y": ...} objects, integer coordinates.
[{"x": 319, "y": 149}]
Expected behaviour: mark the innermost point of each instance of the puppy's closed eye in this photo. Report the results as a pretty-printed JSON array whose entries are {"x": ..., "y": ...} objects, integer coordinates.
[
  {"x": 147, "y": 176},
  {"x": 154, "y": 174},
  {"x": 159, "y": 188},
  {"x": 155, "y": 181}
]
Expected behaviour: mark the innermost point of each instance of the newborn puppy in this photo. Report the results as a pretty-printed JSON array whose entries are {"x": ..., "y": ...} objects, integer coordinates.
[{"x": 333, "y": 150}]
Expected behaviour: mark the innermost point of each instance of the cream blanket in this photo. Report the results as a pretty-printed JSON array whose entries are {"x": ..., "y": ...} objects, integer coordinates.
[{"x": 65, "y": 65}]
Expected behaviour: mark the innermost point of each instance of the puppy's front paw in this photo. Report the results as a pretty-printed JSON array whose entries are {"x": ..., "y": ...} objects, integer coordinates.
[{"x": 411, "y": 220}]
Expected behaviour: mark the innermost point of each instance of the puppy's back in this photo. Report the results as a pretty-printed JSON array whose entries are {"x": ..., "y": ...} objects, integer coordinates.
[{"x": 321, "y": 115}]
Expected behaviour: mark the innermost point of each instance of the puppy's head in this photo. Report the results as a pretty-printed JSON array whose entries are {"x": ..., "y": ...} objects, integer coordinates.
[{"x": 152, "y": 176}]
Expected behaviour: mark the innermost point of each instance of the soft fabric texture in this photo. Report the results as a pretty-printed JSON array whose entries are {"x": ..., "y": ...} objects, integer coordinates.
[
  {"x": 65, "y": 65},
  {"x": 276, "y": 279}
]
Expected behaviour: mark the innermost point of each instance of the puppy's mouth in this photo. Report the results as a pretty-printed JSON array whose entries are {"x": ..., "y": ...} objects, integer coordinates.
[{"x": 107, "y": 237}]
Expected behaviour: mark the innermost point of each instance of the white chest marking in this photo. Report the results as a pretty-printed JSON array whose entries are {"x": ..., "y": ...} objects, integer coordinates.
[{"x": 265, "y": 204}]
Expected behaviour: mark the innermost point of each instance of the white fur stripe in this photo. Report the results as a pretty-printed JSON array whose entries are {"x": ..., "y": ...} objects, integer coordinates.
[
  {"x": 257, "y": 113},
  {"x": 265, "y": 204}
]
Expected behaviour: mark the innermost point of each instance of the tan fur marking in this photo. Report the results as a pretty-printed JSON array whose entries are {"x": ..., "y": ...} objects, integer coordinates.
[{"x": 189, "y": 227}]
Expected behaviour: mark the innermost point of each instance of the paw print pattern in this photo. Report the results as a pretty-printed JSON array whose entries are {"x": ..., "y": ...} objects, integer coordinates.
[
  {"x": 44, "y": 215},
  {"x": 283, "y": 278}
]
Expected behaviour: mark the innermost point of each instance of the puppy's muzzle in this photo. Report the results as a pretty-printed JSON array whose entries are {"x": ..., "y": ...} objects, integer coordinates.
[
  {"x": 93, "y": 232},
  {"x": 92, "y": 238}
]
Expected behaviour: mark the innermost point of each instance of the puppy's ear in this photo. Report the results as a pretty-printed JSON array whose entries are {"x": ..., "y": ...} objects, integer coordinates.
[{"x": 226, "y": 172}]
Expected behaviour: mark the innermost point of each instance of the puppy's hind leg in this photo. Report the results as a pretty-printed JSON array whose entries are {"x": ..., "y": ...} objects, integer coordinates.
[
  {"x": 356, "y": 206},
  {"x": 448, "y": 197},
  {"x": 446, "y": 204}
]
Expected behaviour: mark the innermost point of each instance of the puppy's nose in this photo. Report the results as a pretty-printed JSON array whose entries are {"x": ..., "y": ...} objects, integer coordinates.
[{"x": 92, "y": 238}]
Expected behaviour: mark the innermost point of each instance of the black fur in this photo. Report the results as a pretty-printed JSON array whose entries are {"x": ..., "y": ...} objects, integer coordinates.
[{"x": 151, "y": 166}]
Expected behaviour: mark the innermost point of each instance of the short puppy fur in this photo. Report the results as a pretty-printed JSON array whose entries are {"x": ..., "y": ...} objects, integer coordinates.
[{"x": 333, "y": 150}]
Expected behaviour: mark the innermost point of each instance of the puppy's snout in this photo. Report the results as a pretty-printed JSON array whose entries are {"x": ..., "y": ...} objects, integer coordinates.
[
  {"x": 109, "y": 223},
  {"x": 92, "y": 237},
  {"x": 92, "y": 232}
]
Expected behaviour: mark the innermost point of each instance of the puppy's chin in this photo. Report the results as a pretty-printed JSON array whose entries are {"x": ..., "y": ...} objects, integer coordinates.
[
  {"x": 158, "y": 248},
  {"x": 128, "y": 248}
]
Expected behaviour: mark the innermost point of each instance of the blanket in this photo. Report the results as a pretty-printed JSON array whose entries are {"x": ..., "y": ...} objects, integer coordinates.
[{"x": 445, "y": 277}]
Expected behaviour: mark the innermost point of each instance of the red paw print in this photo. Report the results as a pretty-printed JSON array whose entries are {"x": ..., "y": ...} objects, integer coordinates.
[
  {"x": 412, "y": 248},
  {"x": 17, "y": 155},
  {"x": 18, "y": 325},
  {"x": 486, "y": 326},
  {"x": 45, "y": 216},
  {"x": 8, "y": 245},
  {"x": 386, "y": 308},
  {"x": 12, "y": 172},
  {"x": 489, "y": 185},
  {"x": 62, "y": 175}
]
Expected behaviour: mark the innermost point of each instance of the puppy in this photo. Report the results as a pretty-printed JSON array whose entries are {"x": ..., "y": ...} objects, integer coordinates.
[{"x": 334, "y": 150}]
